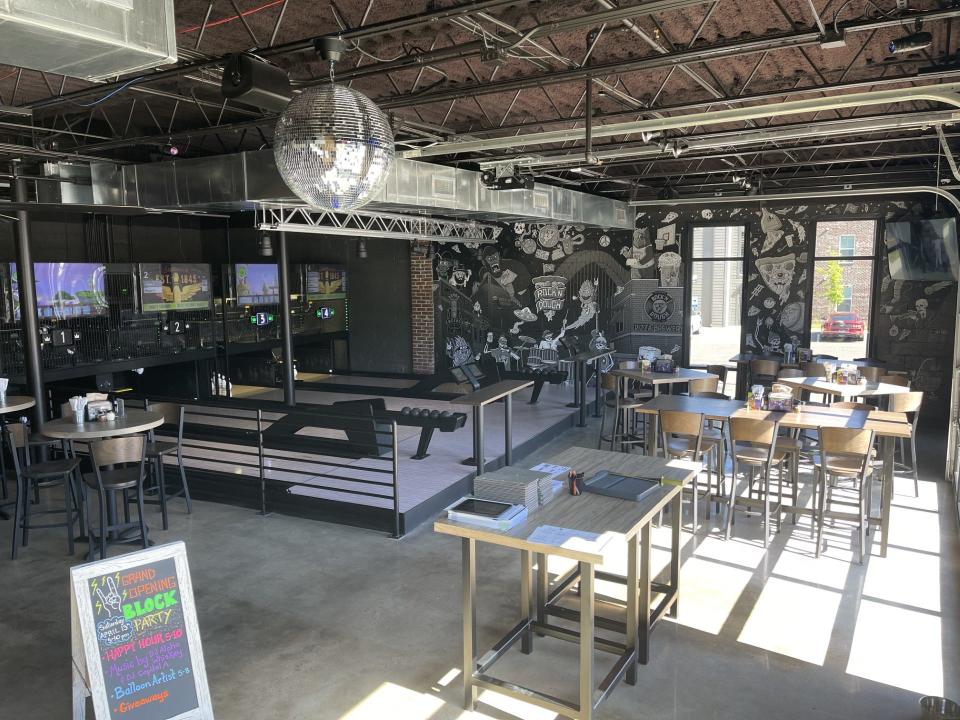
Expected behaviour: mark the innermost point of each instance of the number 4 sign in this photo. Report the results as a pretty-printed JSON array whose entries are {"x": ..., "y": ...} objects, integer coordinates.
[{"x": 136, "y": 644}]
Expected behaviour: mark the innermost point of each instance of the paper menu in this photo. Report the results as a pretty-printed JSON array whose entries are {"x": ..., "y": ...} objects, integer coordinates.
[{"x": 552, "y": 470}]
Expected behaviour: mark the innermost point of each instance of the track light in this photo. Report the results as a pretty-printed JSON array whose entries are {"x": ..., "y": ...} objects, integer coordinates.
[
  {"x": 917, "y": 40},
  {"x": 171, "y": 149},
  {"x": 676, "y": 147},
  {"x": 648, "y": 136},
  {"x": 266, "y": 245}
]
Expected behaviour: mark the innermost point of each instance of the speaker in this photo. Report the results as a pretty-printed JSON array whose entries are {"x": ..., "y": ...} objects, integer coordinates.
[{"x": 256, "y": 82}]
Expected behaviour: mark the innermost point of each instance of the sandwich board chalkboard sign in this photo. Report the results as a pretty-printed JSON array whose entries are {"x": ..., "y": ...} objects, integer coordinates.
[{"x": 136, "y": 644}]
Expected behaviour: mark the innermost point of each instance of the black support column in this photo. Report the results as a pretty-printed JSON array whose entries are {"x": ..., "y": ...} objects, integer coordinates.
[
  {"x": 28, "y": 304},
  {"x": 286, "y": 326}
]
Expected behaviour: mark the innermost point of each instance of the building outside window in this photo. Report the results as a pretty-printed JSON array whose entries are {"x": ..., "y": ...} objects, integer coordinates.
[
  {"x": 846, "y": 305},
  {"x": 847, "y": 245}
]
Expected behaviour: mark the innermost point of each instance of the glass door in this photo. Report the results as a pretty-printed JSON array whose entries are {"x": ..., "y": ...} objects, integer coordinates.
[{"x": 716, "y": 291}]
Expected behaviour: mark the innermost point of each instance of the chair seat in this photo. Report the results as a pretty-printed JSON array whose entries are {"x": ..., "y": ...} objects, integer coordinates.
[
  {"x": 686, "y": 446},
  {"x": 119, "y": 479},
  {"x": 843, "y": 466},
  {"x": 50, "y": 469},
  {"x": 158, "y": 448}
]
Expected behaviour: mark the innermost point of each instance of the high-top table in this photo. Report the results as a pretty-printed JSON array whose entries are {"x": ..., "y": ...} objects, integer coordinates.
[
  {"x": 627, "y": 521},
  {"x": 581, "y": 376},
  {"x": 887, "y": 426},
  {"x": 478, "y": 400},
  {"x": 865, "y": 388},
  {"x": 657, "y": 380}
]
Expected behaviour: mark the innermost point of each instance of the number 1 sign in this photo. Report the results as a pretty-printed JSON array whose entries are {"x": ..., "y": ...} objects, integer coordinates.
[{"x": 136, "y": 644}]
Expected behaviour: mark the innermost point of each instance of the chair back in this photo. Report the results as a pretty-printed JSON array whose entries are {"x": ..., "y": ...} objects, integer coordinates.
[
  {"x": 18, "y": 434},
  {"x": 688, "y": 425},
  {"x": 906, "y": 402},
  {"x": 900, "y": 380},
  {"x": 712, "y": 395},
  {"x": 762, "y": 433},
  {"x": 118, "y": 451},
  {"x": 720, "y": 371},
  {"x": 173, "y": 414},
  {"x": 609, "y": 382},
  {"x": 790, "y": 373},
  {"x": 66, "y": 412},
  {"x": 814, "y": 369},
  {"x": 769, "y": 368},
  {"x": 847, "y": 405},
  {"x": 704, "y": 385},
  {"x": 846, "y": 443},
  {"x": 872, "y": 374}
]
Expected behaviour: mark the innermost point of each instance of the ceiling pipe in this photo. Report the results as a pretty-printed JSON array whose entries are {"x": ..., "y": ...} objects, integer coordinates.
[
  {"x": 946, "y": 94},
  {"x": 808, "y": 195}
]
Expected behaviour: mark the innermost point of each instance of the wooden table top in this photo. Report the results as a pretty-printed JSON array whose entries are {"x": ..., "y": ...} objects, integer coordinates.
[
  {"x": 587, "y": 512},
  {"x": 807, "y": 417},
  {"x": 862, "y": 389},
  {"x": 14, "y": 403},
  {"x": 491, "y": 393},
  {"x": 133, "y": 421},
  {"x": 652, "y": 378}
]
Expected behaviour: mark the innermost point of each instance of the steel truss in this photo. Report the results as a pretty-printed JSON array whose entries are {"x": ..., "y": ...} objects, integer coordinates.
[{"x": 360, "y": 223}]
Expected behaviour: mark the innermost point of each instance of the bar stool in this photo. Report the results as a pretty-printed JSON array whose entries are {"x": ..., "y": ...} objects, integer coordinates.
[
  {"x": 909, "y": 403},
  {"x": 872, "y": 374},
  {"x": 623, "y": 414},
  {"x": 118, "y": 468},
  {"x": 704, "y": 385},
  {"x": 790, "y": 373},
  {"x": 158, "y": 450},
  {"x": 814, "y": 369},
  {"x": 844, "y": 453},
  {"x": 37, "y": 476},
  {"x": 684, "y": 437},
  {"x": 755, "y": 444}
]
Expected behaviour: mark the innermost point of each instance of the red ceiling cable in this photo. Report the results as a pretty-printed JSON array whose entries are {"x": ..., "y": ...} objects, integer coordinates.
[{"x": 223, "y": 21}]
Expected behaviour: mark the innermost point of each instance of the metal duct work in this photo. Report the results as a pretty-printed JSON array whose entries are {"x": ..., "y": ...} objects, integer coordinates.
[{"x": 245, "y": 181}]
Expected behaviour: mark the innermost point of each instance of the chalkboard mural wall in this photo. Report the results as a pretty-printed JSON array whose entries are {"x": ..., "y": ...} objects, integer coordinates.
[{"x": 542, "y": 285}]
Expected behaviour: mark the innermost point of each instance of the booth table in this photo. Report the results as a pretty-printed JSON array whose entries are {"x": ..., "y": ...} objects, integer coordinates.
[
  {"x": 589, "y": 513},
  {"x": 482, "y": 397},
  {"x": 888, "y": 426}
]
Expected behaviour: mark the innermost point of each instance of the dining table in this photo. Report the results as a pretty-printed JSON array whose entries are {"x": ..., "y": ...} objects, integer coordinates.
[
  {"x": 888, "y": 427},
  {"x": 864, "y": 388},
  {"x": 658, "y": 380}
]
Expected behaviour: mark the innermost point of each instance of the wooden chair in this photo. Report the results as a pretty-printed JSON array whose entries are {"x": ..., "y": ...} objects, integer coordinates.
[
  {"x": 118, "y": 467},
  {"x": 683, "y": 436},
  {"x": 721, "y": 372},
  {"x": 844, "y": 453},
  {"x": 755, "y": 444},
  {"x": 909, "y": 403},
  {"x": 31, "y": 477},
  {"x": 814, "y": 369},
  {"x": 173, "y": 415},
  {"x": 790, "y": 373},
  {"x": 763, "y": 372},
  {"x": 900, "y": 380},
  {"x": 705, "y": 385},
  {"x": 872, "y": 374},
  {"x": 623, "y": 414}
]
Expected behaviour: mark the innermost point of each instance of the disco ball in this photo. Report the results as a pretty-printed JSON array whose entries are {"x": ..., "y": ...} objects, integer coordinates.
[{"x": 333, "y": 147}]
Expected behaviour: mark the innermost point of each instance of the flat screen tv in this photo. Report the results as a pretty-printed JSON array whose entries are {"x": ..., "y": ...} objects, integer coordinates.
[
  {"x": 174, "y": 286},
  {"x": 64, "y": 290},
  {"x": 922, "y": 250},
  {"x": 326, "y": 282},
  {"x": 257, "y": 283}
]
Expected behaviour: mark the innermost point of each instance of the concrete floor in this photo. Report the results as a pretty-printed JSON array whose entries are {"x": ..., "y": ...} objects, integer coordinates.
[{"x": 306, "y": 620}]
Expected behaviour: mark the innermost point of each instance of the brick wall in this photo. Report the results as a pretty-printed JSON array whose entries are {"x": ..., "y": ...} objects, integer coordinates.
[
  {"x": 857, "y": 274},
  {"x": 421, "y": 308}
]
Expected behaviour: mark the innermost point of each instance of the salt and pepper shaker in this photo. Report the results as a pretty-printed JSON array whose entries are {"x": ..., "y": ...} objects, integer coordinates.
[{"x": 574, "y": 480}]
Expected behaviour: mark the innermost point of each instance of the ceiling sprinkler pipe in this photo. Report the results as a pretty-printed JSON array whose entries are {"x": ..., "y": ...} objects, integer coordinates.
[{"x": 946, "y": 93}]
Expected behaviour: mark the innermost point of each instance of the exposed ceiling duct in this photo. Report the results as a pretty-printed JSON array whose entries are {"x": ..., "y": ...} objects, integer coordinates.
[{"x": 246, "y": 181}]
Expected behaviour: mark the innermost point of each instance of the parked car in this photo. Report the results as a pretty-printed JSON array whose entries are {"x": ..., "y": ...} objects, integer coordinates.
[{"x": 842, "y": 326}]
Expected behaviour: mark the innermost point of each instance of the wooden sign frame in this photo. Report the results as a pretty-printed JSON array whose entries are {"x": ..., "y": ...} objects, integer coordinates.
[{"x": 87, "y": 671}]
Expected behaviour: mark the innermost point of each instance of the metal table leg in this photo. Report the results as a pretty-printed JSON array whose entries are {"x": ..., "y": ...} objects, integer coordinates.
[
  {"x": 508, "y": 429},
  {"x": 469, "y": 551},
  {"x": 543, "y": 580},
  {"x": 886, "y": 497},
  {"x": 583, "y": 395},
  {"x": 586, "y": 641},
  {"x": 643, "y": 608},
  {"x": 478, "y": 437},
  {"x": 675, "y": 510},
  {"x": 632, "y": 612},
  {"x": 526, "y": 571}
]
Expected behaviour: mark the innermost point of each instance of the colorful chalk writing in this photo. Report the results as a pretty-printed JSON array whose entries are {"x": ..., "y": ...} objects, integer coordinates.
[{"x": 143, "y": 642}]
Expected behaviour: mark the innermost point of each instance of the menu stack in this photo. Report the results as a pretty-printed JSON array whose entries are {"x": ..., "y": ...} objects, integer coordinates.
[{"x": 516, "y": 486}]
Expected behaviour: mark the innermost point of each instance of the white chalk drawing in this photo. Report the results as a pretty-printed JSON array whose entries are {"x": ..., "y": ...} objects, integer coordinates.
[
  {"x": 772, "y": 227},
  {"x": 587, "y": 295},
  {"x": 706, "y": 214},
  {"x": 501, "y": 353},
  {"x": 792, "y": 317},
  {"x": 549, "y": 294},
  {"x": 639, "y": 255},
  {"x": 669, "y": 266},
  {"x": 769, "y": 303},
  {"x": 458, "y": 350},
  {"x": 777, "y": 274},
  {"x": 752, "y": 311},
  {"x": 571, "y": 236},
  {"x": 604, "y": 241},
  {"x": 666, "y": 236},
  {"x": 670, "y": 217}
]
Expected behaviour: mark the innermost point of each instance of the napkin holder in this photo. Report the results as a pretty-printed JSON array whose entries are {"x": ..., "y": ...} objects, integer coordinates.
[{"x": 97, "y": 408}]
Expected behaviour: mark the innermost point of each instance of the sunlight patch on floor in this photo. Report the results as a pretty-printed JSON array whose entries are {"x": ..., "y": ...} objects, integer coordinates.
[
  {"x": 514, "y": 708},
  {"x": 395, "y": 702},
  {"x": 905, "y": 577},
  {"x": 792, "y": 619},
  {"x": 798, "y": 561},
  {"x": 710, "y": 592},
  {"x": 898, "y": 647}
]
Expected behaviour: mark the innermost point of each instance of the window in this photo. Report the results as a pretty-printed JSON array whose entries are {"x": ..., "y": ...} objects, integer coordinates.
[
  {"x": 847, "y": 246},
  {"x": 716, "y": 286},
  {"x": 846, "y": 305}
]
